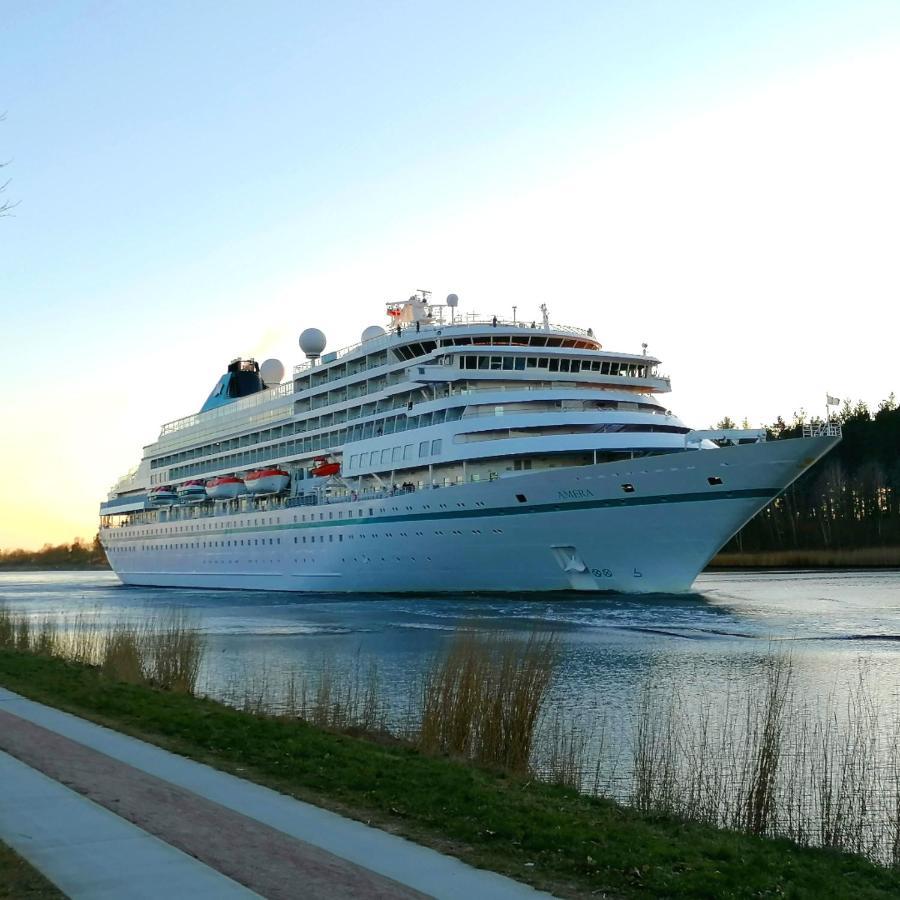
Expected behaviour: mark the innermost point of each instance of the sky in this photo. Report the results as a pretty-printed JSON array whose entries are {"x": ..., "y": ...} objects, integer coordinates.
[{"x": 201, "y": 181}]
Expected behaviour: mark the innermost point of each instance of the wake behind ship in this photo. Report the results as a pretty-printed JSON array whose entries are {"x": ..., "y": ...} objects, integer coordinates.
[{"x": 442, "y": 454}]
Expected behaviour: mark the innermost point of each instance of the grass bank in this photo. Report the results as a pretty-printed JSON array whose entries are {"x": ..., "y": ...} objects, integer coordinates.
[
  {"x": 851, "y": 558},
  {"x": 19, "y": 881},
  {"x": 550, "y": 836}
]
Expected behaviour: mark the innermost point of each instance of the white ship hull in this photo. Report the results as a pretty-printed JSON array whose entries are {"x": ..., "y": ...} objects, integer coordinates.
[{"x": 576, "y": 529}]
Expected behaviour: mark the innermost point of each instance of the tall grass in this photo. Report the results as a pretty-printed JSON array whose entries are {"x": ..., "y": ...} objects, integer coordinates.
[
  {"x": 767, "y": 762},
  {"x": 166, "y": 651},
  {"x": 338, "y": 698},
  {"x": 483, "y": 697}
]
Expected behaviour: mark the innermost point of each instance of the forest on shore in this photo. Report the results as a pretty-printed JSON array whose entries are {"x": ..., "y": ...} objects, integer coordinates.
[
  {"x": 80, "y": 554},
  {"x": 848, "y": 501}
]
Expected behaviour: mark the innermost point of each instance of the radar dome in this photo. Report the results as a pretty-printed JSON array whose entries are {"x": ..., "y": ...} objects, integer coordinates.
[
  {"x": 272, "y": 372},
  {"x": 452, "y": 300},
  {"x": 312, "y": 342},
  {"x": 373, "y": 331}
]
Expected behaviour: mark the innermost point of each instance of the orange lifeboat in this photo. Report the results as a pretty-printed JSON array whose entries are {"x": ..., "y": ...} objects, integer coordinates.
[
  {"x": 267, "y": 481},
  {"x": 323, "y": 466},
  {"x": 225, "y": 487}
]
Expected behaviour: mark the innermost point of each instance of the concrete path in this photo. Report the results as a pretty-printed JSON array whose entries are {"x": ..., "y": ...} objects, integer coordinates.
[
  {"x": 90, "y": 853},
  {"x": 275, "y": 845}
]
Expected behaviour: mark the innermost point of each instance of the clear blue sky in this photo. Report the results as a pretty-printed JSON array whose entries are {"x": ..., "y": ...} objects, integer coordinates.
[{"x": 198, "y": 180}]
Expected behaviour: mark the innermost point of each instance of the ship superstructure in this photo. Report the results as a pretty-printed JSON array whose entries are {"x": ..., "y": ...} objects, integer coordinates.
[{"x": 443, "y": 453}]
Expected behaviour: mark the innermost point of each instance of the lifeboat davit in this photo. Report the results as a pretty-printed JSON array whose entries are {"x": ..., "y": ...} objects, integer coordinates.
[
  {"x": 225, "y": 487},
  {"x": 323, "y": 466},
  {"x": 267, "y": 481},
  {"x": 164, "y": 495},
  {"x": 193, "y": 491}
]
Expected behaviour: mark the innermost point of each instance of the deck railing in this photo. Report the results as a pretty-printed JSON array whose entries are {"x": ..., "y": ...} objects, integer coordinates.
[
  {"x": 387, "y": 339},
  {"x": 823, "y": 429}
]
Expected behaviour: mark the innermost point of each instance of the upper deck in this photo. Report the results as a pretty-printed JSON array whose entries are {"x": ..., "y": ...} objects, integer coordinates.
[{"x": 407, "y": 343}]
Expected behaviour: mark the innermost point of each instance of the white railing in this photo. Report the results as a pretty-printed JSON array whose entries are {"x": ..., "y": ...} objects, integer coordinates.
[
  {"x": 281, "y": 390},
  {"x": 823, "y": 429},
  {"x": 387, "y": 339}
]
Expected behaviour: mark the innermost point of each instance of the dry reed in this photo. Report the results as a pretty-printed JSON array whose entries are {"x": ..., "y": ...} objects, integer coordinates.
[
  {"x": 166, "y": 651},
  {"x": 482, "y": 699}
]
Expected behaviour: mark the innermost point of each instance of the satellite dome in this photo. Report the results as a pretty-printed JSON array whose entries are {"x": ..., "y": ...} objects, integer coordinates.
[
  {"x": 452, "y": 300},
  {"x": 312, "y": 342},
  {"x": 373, "y": 331},
  {"x": 272, "y": 372}
]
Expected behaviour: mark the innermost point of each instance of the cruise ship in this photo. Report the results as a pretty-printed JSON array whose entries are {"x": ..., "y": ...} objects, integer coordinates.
[{"x": 443, "y": 453}]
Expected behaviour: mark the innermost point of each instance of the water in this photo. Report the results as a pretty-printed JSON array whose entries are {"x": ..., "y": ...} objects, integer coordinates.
[{"x": 834, "y": 623}]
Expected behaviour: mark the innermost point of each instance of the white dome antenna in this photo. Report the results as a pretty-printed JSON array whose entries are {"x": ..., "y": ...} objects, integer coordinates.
[
  {"x": 312, "y": 343},
  {"x": 373, "y": 331},
  {"x": 452, "y": 302},
  {"x": 272, "y": 372}
]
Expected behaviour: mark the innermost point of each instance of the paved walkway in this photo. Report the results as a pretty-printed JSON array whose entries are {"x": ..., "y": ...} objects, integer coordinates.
[{"x": 105, "y": 815}]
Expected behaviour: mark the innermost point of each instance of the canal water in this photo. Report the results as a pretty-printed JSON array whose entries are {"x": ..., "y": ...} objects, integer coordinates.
[
  {"x": 835, "y": 625},
  {"x": 698, "y": 662}
]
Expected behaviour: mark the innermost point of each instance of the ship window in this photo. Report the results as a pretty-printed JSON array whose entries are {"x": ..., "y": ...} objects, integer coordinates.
[
  {"x": 554, "y": 365},
  {"x": 520, "y": 363},
  {"x": 384, "y": 455},
  {"x": 508, "y": 362},
  {"x": 483, "y": 362},
  {"x": 521, "y": 498},
  {"x": 407, "y": 451},
  {"x": 496, "y": 363},
  {"x": 436, "y": 446},
  {"x": 531, "y": 362},
  {"x": 564, "y": 365},
  {"x": 714, "y": 479},
  {"x": 395, "y": 454},
  {"x": 423, "y": 449},
  {"x": 628, "y": 488},
  {"x": 353, "y": 460}
]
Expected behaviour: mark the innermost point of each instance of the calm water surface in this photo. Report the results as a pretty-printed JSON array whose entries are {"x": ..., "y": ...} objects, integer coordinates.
[{"x": 834, "y": 623}]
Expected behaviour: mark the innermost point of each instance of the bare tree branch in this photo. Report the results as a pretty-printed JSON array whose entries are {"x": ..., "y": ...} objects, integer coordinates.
[{"x": 6, "y": 206}]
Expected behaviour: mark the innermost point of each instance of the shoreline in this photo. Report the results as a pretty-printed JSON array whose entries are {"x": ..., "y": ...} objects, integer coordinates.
[
  {"x": 852, "y": 558},
  {"x": 552, "y": 837}
]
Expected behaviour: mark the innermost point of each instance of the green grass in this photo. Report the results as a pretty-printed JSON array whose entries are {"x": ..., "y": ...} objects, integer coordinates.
[
  {"x": 18, "y": 881},
  {"x": 550, "y": 836}
]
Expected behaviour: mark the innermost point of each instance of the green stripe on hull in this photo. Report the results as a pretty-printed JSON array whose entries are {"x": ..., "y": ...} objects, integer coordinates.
[{"x": 521, "y": 509}]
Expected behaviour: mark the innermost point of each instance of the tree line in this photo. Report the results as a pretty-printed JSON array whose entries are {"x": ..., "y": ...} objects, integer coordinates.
[
  {"x": 80, "y": 554},
  {"x": 849, "y": 499}
]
